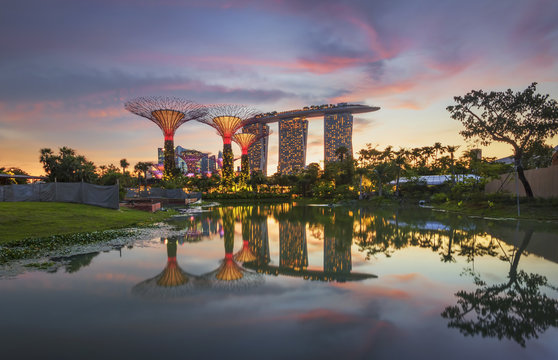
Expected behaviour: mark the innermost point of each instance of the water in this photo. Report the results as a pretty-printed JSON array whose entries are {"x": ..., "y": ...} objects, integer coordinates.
[{"x": 323, "y": 283}]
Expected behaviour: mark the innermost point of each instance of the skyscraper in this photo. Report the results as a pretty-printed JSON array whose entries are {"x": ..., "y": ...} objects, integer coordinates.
[
  {"x": 338, "y": 131},
  {"x": 293, "y": 135},
  {"x": 257, "y": 153}
]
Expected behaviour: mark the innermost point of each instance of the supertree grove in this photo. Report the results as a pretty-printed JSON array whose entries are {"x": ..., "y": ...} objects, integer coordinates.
[
  {"x": 245, "y": 140},
  {"x": 168, "y": 113},
  {"x": 227, "y": 119}
]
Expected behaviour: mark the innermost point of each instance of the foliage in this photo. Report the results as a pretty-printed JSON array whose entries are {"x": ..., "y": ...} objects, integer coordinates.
[
  {"x": 67, "y": 166},
  {"x": 522, "y": 120},
  {"x": 12, "y": 171}
]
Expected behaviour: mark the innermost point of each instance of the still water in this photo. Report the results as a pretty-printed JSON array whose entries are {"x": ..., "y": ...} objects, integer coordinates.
[{"x": 288, "y": 281}]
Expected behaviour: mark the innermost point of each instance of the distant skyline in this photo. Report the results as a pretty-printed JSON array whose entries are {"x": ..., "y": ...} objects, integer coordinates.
[{"x": 68, "y": 66}]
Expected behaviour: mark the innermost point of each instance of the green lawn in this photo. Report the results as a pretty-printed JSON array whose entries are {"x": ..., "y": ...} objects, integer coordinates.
[{"x": 19, "y": 220}]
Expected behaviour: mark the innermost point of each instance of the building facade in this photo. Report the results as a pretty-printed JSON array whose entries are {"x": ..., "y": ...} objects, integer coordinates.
[
  {"x": 257, "y": 153},
  {"x": 293, "y": 136},
  {"x": 338, "y": 132}
]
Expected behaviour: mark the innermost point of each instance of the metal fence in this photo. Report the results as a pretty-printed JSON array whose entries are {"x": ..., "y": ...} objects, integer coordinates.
[{"x": 82, "y": 193}]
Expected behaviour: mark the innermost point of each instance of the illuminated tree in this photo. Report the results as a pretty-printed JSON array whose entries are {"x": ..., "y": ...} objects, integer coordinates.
[
  {"x": 227, "y": 120},
  {"x": 168, "y": 113},
  {"x": 245, "y": 140}
]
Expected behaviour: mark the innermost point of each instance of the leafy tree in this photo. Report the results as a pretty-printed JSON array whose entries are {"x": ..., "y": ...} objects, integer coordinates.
[
  {"x": 67, "y": 166},
  {"x": 519, "y": 119},
  {"x": 12, "y": 171}
]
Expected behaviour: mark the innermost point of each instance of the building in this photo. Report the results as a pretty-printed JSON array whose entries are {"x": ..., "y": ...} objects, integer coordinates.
[
  {"x": 189, "y": 161},
  {"x": 293, "y": 136},
  {"x": 338, "y": 132},
  {"x": 212, "y": 164},
  {"x": 257, "y": 153}
]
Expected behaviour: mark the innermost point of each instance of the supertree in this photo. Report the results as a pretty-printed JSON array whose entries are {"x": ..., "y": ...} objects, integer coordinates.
[
  {"x": 168, "y": 113},
  {"x": 227, "y": 119},
  {"x": 245, "y": 140}
]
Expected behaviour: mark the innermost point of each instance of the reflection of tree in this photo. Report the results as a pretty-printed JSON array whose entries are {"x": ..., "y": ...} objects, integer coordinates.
[
  {"x": 76, "y": 262},
  {"x": 385, "y": 233},
  {"x": 515, "y": 310}
]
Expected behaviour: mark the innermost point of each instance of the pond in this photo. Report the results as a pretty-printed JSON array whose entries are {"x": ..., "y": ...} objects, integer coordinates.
[{"x": 293, "y": 281}]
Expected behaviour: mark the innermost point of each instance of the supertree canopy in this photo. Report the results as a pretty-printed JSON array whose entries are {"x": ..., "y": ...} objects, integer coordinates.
[
  {"x": 227, "y": 119},
  {"x": 245, "y": 140},
  {"x": 168, "y": 113}
]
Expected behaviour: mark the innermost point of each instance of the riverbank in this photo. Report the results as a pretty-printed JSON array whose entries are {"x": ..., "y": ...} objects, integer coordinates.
[
  {"x": 22, "y": 220},
  {"x": 535, "y": 209}
]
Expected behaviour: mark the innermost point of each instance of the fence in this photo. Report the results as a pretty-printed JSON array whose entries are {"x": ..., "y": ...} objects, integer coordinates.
[
  {"x": 161, "y": 193},
  {"x": 544, "y": 183},
  {"x": 82, "y": 193}
]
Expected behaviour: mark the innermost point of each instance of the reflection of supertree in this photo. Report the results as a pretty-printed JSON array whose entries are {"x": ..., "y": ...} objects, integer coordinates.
[
  {"x": 515, "y": 310},
  {"x": 245, "y": 254},
  {"x": 227, "y": 119},
  {"x": 245, "y": 140},
  {"x": 172, "y": 281},
  {"x": 168, "y": 113},
  {"x": 229, "y": 274}
]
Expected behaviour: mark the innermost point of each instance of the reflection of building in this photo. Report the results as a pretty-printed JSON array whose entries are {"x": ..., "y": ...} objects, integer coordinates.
[
  {"x": 338, "y": 131},
  {"x": 259, "y": 241},
  {"x": 257, "y": 153},
  {"x": 293, "y": 252},
  {"x": 293, "y": 135},
  {"x": 337, "y": 255}
]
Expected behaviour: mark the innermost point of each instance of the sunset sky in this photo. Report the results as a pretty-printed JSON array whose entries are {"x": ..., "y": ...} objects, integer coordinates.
[{"x": 68, "y": 66}]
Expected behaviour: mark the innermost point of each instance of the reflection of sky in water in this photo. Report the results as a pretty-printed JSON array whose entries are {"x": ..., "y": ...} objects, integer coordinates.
[{"x": 93, "y": 313}]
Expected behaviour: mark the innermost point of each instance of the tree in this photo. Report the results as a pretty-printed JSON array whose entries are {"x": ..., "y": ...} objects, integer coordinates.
[
  {"x": 67, "y": 166},
  {"x": 124, "y": 165},
  {"x": 12, "y": 171},
  {"x": 519, "y": 119},
  {"x": 143, "y": 166}
]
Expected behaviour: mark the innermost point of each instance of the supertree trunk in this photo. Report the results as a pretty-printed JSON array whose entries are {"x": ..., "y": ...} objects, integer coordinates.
[
  {"x": 170, "y": 164},
  {"x": 227, "y": 178},
  {"x": 245, "y": 167}
]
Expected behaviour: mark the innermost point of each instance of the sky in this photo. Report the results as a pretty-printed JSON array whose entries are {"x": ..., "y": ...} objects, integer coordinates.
[{"x": 68, "y": 66}]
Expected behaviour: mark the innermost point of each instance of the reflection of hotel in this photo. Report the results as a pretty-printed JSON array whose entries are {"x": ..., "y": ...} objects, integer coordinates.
[
  {"x": 337, "y": 255},
  {"x": 293, "y": 135},
  {"x": 293, "y": 252},
  {"x": 338, "y": 131},
  {"x": 259, "y": 241}
]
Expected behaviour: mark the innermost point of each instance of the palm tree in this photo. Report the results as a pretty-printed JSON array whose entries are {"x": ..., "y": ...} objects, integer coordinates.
[
  {"x": 143, "y": 166},
  {"x": 451, "y": 150},
  {"x": 124, "y": 164}
]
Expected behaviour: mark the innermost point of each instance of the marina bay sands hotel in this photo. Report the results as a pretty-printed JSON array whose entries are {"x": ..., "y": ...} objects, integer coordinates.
[{"x": 293, "y": 134}]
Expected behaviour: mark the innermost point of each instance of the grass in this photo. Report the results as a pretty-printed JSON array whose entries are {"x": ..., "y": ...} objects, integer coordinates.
[
  {"x": 21, "y": 220},
  {"x": 529, "y": 209}
]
